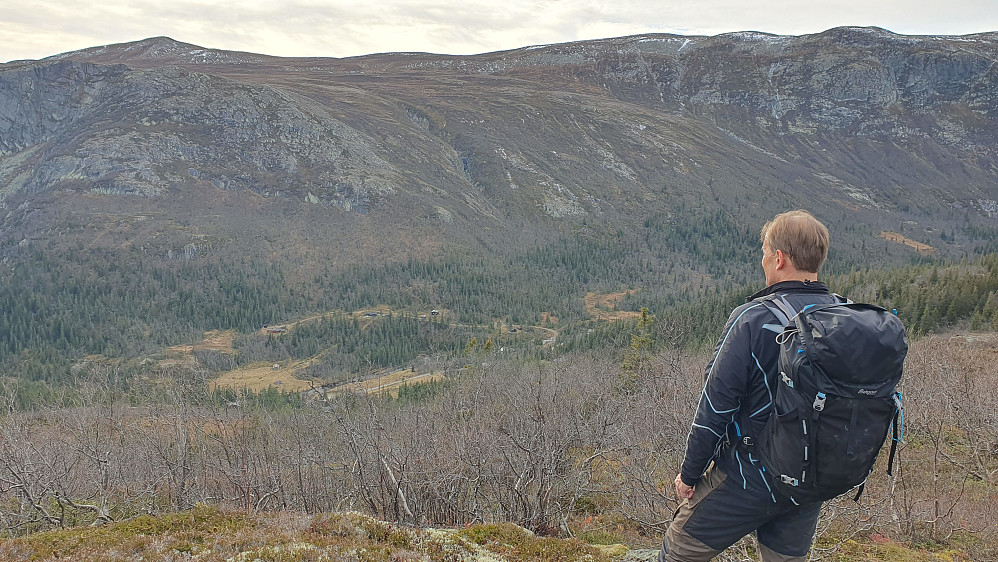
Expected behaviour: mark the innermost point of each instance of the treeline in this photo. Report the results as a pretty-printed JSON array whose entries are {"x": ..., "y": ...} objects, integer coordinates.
[
  {"x": 932, "y": 297},
  {"x": 692, "y": 324},
  {"x": 674, "y": 258},
  {"x": 690, "y": 267},
  {"x": 341, "y": 345},
  {"x": 713, "y": 238},
  {"x": 928, "y": 297},
  {"x": 56, "y": 308}
]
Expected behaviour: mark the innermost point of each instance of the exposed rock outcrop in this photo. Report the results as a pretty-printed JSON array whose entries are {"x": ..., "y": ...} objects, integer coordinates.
[{"x": 855, "y": 120}]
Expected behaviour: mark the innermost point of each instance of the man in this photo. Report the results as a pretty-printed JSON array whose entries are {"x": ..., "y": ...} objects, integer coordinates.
[{"x": 723, "y": 491}]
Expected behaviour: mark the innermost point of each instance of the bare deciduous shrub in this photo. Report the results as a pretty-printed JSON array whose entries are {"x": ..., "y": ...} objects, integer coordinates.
[
  {"x": 948, "y": 462},
  {"x": 657, "y": 420},
  {"x": 541, "y": 444}
]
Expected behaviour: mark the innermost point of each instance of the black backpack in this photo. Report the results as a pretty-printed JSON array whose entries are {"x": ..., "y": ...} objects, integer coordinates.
[{"x": 835, "y": 399}]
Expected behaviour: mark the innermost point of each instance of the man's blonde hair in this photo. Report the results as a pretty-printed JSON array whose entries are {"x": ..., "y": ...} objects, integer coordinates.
[{"x": 800, "y": 237}]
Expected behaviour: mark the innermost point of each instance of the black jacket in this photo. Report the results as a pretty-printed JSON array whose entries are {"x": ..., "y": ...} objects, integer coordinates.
[{"x": 737, "y": 394}]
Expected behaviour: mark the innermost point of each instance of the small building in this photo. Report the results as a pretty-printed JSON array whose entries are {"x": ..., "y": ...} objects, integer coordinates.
[{"x": 435, "y": 312}]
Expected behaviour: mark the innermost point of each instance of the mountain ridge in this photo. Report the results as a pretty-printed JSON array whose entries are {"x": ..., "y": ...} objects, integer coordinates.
[
  {"x": 648, "y": 161},
  {"x": 160, "y": 45},
  {"x": 753, "y": 107}
]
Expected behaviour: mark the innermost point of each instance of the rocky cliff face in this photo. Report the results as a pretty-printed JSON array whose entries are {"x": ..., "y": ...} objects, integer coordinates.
[
  {"x": 866, "y": 83},
  {"x": 111, "y": 130},
  {"x": 884, "y": 127}
]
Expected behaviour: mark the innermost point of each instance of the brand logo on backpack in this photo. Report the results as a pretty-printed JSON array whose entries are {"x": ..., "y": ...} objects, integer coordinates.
[{"x": 841, "y": 364}]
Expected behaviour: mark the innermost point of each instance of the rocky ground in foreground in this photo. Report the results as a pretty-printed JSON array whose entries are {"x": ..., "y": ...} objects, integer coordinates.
[{"x": 208, "y": 534}]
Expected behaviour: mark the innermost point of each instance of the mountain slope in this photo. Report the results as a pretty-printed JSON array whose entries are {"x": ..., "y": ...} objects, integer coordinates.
[
  {"x": 529, "y": 176},
  {"x": 850, "y": 117}
]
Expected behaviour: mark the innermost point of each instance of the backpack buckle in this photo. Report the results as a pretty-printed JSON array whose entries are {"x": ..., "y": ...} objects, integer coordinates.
[
  {"x": 789, "y": 382},
  {"x": 789, "y": 480},
  {"x": 819, "y": 402}
]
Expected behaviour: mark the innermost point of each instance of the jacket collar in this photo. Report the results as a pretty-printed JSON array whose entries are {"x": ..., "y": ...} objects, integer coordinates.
[{"x": 805, "y": 287}]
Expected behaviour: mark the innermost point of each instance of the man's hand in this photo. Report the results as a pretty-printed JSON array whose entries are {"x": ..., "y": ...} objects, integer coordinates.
[{"x": 682, "y": 490}]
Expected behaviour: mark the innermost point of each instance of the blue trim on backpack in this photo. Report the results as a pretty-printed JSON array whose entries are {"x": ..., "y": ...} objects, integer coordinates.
[{"x": 900, "y": 406}]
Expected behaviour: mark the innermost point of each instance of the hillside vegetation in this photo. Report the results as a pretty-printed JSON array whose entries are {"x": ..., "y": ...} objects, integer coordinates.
[
  {"x": 585, "y": 445},
  {"x": 154, "y": 191},
  {"x": 58, "y": 309}
]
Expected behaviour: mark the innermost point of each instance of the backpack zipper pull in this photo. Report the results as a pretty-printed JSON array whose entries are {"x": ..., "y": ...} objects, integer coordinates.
[{"x": 819, "y": 402}]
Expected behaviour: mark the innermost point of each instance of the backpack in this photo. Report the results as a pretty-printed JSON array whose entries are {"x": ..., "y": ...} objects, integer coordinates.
[{"x": 835, "y": 398}]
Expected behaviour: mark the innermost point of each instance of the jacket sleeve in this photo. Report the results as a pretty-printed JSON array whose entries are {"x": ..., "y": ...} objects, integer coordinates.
[{"x": 725, "y": 385}]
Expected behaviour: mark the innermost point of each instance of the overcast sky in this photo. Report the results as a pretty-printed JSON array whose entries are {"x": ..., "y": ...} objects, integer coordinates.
[{"x": 31, "y": 29}]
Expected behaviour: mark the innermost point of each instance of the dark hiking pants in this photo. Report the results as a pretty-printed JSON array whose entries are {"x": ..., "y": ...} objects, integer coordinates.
[{"x": 721, "y": 512}]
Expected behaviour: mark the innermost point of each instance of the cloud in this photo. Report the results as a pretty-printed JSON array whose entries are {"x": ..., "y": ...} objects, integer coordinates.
[{"x": 38, "y": 28}]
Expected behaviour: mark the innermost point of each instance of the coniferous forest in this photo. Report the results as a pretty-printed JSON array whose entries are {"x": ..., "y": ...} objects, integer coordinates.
[
  {"x": 539, "y": 408},
  {"x": 60, "y": 306}
]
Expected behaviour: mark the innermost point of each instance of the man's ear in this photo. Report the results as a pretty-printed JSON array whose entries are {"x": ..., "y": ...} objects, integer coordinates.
[{"x": 781, "y": 260}]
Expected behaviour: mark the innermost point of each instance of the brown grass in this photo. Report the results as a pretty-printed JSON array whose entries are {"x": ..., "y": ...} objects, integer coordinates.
[
  {"x": 604, "y": 307},
  {"x": 217, "y": 340},
  {"x": 389, "y": 383},
  {"x": 900, "y": 239},
  {"x": 261, "y": 376},
  {"x": 548, "y": 318}
]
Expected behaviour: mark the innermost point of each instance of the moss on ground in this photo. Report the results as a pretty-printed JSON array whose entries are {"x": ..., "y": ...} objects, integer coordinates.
[
  {"x": 183, "y": 532},
  {"x": 209, "y": 535},
  {"x": 517, "y": 543},
  {"x": 878, "y": 548}
]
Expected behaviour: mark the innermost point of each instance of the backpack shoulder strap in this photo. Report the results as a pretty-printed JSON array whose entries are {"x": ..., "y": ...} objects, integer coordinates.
[{"x": 780, "y": 308}]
